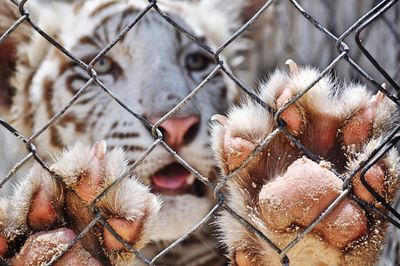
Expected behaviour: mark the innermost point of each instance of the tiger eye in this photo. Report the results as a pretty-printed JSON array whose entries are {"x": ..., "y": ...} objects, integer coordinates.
[
  {"x": 104, "y": 66},
  {"x": 197, "y": 62}
]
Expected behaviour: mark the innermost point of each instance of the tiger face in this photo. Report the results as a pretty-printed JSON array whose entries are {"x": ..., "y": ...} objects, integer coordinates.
[{"x": 150, "y": 70}]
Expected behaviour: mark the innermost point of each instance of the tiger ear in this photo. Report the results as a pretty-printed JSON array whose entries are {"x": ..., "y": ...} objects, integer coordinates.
[
  {"x": 250, "y": 8},
  {"x": 240, "y": 10},
  {"x": 8, "y": 49}
]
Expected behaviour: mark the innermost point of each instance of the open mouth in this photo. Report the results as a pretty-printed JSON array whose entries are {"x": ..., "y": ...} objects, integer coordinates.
[{"x": 173, "y": 179}]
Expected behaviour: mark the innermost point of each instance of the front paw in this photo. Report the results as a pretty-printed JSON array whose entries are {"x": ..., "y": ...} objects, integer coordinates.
[
  {"x": 283, "y": 194},
  {"x": 55, "y": 210}
]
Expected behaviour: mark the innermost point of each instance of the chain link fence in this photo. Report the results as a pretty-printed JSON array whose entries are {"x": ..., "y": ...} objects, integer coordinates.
[{"x": 343, "y": 55}]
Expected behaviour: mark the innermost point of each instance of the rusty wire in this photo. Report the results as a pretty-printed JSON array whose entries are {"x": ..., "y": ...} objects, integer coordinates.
[{"x": 343, "y": 55}]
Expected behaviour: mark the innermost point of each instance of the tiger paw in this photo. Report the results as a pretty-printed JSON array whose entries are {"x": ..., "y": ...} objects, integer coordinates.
[
  {"x": 46, "y": 213},
  {"x": 42, "y": 246},
  {"x": 281, "y": 192}
]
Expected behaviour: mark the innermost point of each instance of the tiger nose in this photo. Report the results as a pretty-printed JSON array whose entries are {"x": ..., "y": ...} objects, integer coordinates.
[{"x": 178, "y": 131}]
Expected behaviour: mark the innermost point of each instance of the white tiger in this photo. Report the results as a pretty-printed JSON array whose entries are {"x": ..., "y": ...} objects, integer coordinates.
[
  {"x": 45, "y": 80},
  {"x": 151, "y": 70}
]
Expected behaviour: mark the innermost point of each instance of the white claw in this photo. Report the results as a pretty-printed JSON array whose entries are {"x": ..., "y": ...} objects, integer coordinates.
[
  {"x": 223, "y": 120},
  {"x": 99, "y": 149},
  {"x": 293, "y": 68},
  {"x": 379, "y": 96}
]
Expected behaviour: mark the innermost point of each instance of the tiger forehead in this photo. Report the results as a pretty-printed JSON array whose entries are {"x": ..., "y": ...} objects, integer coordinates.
[
  {"x": 116, "y": 22},
  {"x": 108, "y": 28},
  {"x": 99, "y": 9},
  {"x": 102, "y": 7},
  {"x": 127, "y": 11}
]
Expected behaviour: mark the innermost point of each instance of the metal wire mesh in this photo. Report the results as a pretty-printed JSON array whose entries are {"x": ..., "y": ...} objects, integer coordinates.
[{"x": 343, "y": 55}]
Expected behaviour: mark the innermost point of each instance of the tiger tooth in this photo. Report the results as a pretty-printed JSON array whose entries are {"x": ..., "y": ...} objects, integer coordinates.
[{"x": 190, "y": 180}]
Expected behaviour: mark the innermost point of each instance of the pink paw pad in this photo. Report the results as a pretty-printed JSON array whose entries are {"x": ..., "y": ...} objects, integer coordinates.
[
  {"x": 128, "y": 230},
  {"x": 358, "y": 129},
  {"x": 375, "y": 177},
  {"x": 302, "y": 194},
  {"x": 292, "y": 115},
  {"x": 42, "y": 212},
  {"x": 90, "y": 182},
  {"x": 41, "y": 247},
  {"x": 243, "y": 259},
  {"x": 235, "y": 148},
  {"x": 3, "y": 246}
]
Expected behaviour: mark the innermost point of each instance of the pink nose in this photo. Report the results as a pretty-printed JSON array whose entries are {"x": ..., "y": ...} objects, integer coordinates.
[{"x": 178, "y": 131}]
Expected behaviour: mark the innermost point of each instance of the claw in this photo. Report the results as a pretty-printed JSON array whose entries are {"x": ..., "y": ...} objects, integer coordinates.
[
  {"x": 223, "y": 120},
  {"x": 293, "y": 68},
  {"x": 99, "y": 149},
  {"x": 377, "y": 98}
]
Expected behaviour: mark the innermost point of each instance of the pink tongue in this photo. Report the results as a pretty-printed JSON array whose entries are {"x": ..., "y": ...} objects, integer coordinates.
[{"x": 171, "y": 177}]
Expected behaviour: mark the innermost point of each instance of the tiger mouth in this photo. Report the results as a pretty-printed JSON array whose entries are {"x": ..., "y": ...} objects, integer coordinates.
[{"x": 174, "y": 179}]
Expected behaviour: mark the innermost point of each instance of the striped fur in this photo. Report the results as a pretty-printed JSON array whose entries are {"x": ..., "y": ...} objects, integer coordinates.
[
  {"x": 148, "y": 75},
  {"x": 147, "y": 70}
]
